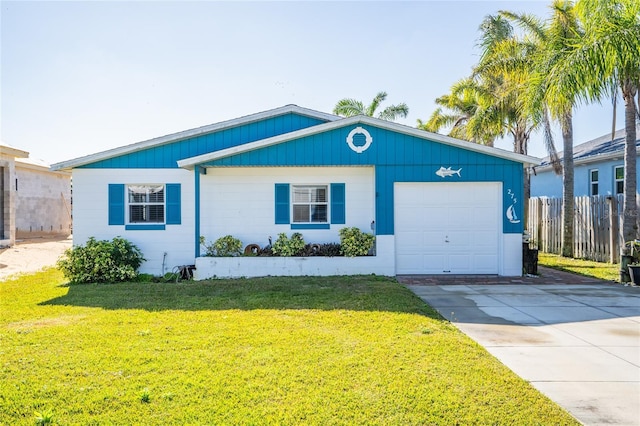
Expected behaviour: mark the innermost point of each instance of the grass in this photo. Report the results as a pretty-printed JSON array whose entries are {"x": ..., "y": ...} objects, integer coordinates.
[
  {"x": 339, "y": 350},
  {"x": 589, "y": 268}
]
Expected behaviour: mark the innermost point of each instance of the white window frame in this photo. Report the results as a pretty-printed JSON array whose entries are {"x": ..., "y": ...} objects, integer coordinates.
[
  {"x": 593, "y": 182},
  {"x": 309, "y": 202},
  {"x": 616, "y": 180},
  {"x": 130, "y": 203}
]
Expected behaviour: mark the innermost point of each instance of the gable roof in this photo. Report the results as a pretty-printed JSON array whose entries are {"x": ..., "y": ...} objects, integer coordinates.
[
  {"x": 190, "y": 163},
  {"x": 186, "y": 134},
  {"x": 602, "y": 148}
]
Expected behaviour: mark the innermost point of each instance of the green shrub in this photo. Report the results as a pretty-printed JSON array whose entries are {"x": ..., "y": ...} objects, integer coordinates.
[
  {"x": 101, "y": 261},
  {"x": 354, "y": 242},
  {"x": 226, "y": 246},
  {"x": 285, "y": 246}
]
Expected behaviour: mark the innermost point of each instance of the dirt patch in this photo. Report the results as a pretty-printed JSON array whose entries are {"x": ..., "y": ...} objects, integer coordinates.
[
  {"x": 25, "y": 326},
  {"x": 31, "y": 255}
]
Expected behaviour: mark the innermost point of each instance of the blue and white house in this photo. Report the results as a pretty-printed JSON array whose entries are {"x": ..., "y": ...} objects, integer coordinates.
[
  {"x": 598, "y": 169},
  {"x": 437, "y": 205}
]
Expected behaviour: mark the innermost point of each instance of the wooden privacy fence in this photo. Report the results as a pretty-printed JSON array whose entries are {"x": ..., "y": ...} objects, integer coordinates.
[{"x": 597, "y": 226}]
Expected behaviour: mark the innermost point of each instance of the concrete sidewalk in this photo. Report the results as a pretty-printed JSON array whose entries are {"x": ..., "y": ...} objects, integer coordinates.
[{"x": 579, "y": 344}]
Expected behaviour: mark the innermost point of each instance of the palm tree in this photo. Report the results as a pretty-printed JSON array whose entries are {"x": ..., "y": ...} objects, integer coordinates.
[
  {"x": 468, "y": 111},
  {"x": 547, "y": 94},
  {"x": 605, "y": 59},
  {"x": 349, "y": 107},
  {"x": 490, "y": 103}
]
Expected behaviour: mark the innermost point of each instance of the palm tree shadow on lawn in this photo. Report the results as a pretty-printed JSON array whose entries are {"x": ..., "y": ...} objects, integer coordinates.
[{"x": 356, "y": 293}]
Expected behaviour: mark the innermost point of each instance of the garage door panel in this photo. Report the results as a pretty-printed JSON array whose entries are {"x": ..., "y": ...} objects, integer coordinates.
[
  {"x": 467, "y": 215},
  {"x": 434, "y": 263}
]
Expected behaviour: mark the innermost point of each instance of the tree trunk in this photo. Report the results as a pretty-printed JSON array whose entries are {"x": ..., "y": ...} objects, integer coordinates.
[
  {"x": 567, "y": 185},
  {"x": 630, "y": 213}
]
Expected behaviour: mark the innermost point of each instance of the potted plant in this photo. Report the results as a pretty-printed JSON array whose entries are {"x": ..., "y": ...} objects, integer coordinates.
[{"x": 631, "y": 259}]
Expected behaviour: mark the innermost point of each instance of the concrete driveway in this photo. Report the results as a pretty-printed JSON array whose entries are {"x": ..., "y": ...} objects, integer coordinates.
[{"x": 579, "y": 344}]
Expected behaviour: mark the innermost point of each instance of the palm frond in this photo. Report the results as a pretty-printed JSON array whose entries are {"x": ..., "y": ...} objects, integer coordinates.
[
  {"x": 377, "y": 100},
  {"x": 348, "y": 108},
  {"x": 392, "y": 112}
]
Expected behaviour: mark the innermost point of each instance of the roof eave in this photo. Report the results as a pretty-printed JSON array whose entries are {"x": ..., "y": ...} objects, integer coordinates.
[
  {"x": 175, "y": 137},
  {"x": 590, "y": 159},
  {"x": 190, "y": 163},
  {"x": 13, "y": 152}
]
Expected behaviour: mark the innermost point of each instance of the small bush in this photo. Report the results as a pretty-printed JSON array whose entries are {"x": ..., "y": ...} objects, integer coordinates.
[
  {"x": 226, "y": 246},
  {"x": 285, "y": 246},
  {"x": 330, "y": 250},
  {"x": 354, "y": 242},
  {"x": 326, "y": 250},
  {"x": 101, "y": 261}
]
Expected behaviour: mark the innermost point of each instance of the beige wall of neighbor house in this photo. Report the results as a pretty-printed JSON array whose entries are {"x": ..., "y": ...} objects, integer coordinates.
[
  {"x": 34, "y": 200},
  {"x": 8, "y": 194},
  {"x": 43, "y": 202}
]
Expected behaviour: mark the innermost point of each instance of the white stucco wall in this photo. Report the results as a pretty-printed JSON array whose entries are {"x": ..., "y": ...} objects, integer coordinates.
[
  {"x": 43, "y": 201},
  {"x": 240, "y": 201},
  {"x": 90, "y": 205}
]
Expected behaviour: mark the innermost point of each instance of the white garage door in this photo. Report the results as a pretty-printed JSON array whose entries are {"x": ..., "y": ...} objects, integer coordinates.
[{"x": 447, "y": 227}]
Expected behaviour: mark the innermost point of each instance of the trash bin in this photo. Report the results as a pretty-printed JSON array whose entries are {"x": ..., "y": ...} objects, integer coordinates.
[
  {"x": 625, "y": 261},
  {"x": 529, "y": 260}
]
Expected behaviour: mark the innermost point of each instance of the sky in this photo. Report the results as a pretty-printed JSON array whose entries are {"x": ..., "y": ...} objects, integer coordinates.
[{"x": 79, "y": 77}]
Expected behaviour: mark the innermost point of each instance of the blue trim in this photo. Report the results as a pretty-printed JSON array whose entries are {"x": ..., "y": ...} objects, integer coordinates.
[
  {"x": 196, "y": 173},
  {"x": 310, "y": 226},
  {"x": 144, "y": 227},
  {"x": 338, "y": 198},
  {"x": 282, "y": 208},
  {"x": 173, "y": 204},
  {"x": 116, "y": 204}
]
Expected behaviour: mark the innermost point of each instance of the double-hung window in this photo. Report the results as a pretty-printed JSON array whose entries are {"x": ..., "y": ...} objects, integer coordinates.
[
  {"x": 593, "y": 181},
  {"x": 146, "y": 203},
  {"x": 618, "y": 172},
  {"x": 310, "y": 204}
]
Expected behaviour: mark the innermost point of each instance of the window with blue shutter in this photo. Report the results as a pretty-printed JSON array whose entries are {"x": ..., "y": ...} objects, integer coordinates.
[
  {"x": 173, "y": 204},
  {"x": 146, "y": 207},
  {"x": 309, "y": 205},
  {"x": 282, "y": 203},
  {"x": 116, "y": 204},
  {"x": 338, "y": 214}
]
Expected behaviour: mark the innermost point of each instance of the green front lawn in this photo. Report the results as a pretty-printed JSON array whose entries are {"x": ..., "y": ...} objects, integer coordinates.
[
  {"x": 343, "y": 350},
  {"x": 589, "y": 268}
]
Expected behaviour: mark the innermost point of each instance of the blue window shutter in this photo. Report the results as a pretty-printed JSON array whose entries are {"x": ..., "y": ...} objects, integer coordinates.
[
  {"x": 338, "y": 215},
  {"x": 282, "y": 203},
  {"x": 116, "y": 204},
  {"x": 173, "y": 204}
]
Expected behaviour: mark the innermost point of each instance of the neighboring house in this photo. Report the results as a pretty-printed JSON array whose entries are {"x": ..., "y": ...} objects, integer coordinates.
[
  {"x": 437, "y": 205},
  {"x": 43, "y": 204},
  {"x": 598, "y": 169},
  {"x": 34, "y": 201}
]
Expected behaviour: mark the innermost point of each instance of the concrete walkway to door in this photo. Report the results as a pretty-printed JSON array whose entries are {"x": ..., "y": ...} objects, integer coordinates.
[{"x": 578, "y": 343}]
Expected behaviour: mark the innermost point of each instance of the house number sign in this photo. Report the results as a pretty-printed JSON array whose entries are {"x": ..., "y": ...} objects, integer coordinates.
[{"x": 367, "y": 137}]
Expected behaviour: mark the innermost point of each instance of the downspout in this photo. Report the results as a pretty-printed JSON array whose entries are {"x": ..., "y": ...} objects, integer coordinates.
[{"x": 196, "y": 172}]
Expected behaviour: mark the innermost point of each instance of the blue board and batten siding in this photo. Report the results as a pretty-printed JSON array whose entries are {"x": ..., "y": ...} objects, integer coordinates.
[
  {"x": 396, "y": 158},
  {"x": 167, "y": 155}
]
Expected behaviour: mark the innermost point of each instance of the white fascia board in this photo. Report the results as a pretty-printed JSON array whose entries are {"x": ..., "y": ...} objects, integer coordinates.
[
  {"x": 13, "y": 152},
  {"x": 174, "y": 137},
  {"x": 190, "y": 163}
]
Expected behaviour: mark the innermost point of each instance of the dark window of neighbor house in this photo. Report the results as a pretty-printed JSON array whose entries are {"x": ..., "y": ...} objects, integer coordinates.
[
  {"x": 146, "y": 203},
  {"x": 619, "y": 179},
  {"x": 593, "y": 180},
  {"x": 310, "y": 204}
]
